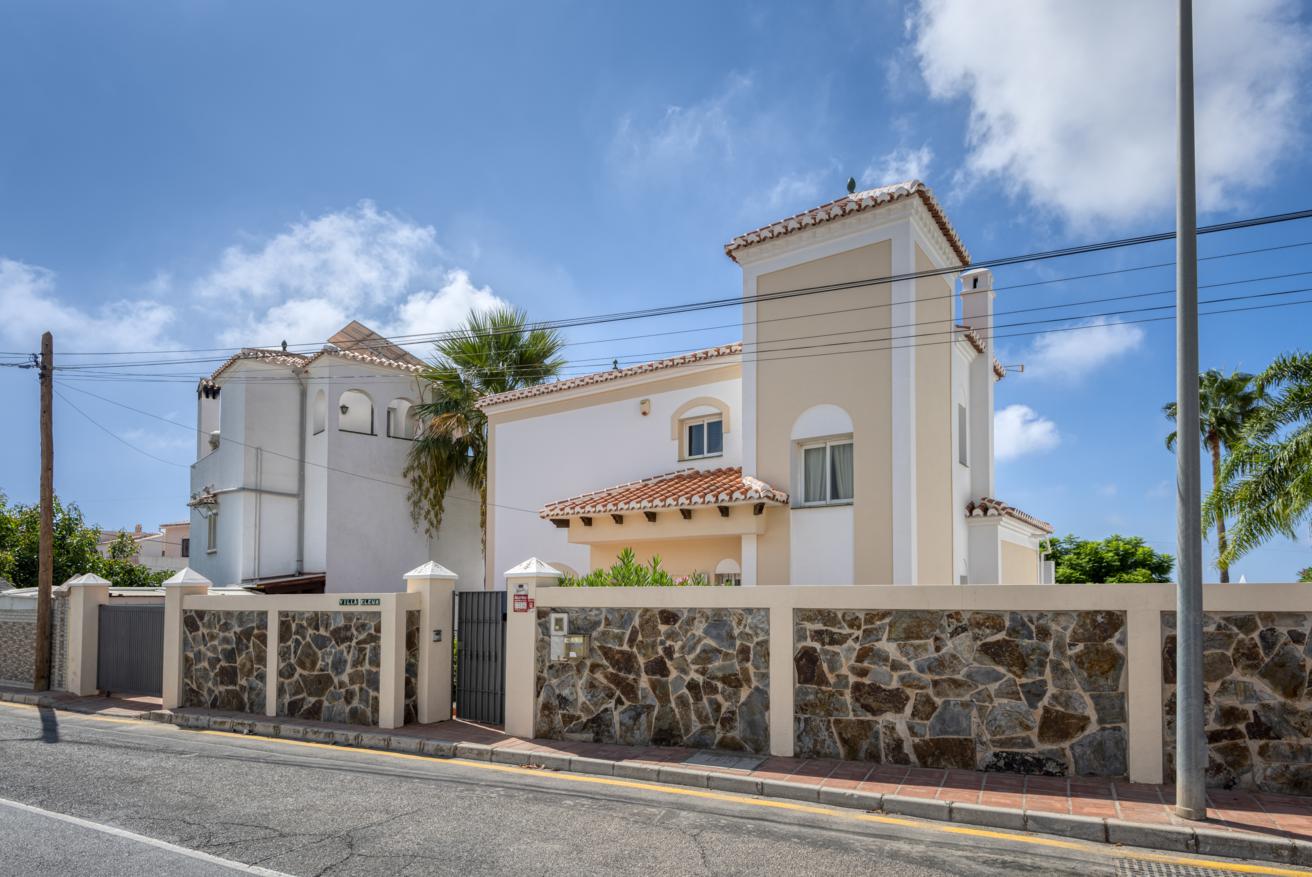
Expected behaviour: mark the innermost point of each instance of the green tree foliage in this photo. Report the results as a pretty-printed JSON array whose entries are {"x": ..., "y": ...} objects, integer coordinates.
[
  {"x": 1266, "y": 481},
  {"x": 1116, "y": 559},
  {"x": 1226, "y": 404},
  {"x": 627, "y": 572},
  {"x": 74, "y": 549},
  {"x": 494, "y": 352},
  {"x": 1305, "y": 574}
]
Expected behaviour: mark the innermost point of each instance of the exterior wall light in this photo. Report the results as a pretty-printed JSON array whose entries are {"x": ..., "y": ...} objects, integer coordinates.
[{"x": 344, "y": 408}]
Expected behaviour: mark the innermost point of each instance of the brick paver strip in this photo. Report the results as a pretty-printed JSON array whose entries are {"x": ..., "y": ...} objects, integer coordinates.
[{"x": 1244, "y": 824}]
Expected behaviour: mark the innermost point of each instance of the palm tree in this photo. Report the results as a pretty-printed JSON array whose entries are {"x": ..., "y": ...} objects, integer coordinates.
[
  {"x": 1266, "y": 482},
  {"x": 494, "y": 352},
  {"x": 1225, "y": 406}
]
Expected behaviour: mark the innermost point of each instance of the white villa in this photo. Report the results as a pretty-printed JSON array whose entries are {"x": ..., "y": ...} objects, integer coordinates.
[
  {"x": 170, "y": 548},
  {"x": 298, "y": 486},
  {"x": 847, "y": 439}
]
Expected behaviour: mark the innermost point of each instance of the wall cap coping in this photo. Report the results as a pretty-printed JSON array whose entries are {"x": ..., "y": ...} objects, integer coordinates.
[
  {"x": 86, "y": 580},
  {"x": 187, "y": 576},
  {"x": 534, "y": 567},
  {"x": 431, "y": 570}
]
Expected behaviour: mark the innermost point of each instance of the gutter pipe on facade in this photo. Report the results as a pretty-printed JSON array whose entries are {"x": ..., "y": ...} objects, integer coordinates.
[{"x": 300, "y": 478}]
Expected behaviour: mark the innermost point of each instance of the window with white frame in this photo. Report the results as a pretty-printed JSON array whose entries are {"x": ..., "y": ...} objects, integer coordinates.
[
  {"x": 827, "y": 473},
  {"x": 703, "y": 437},
  {"x": 212, "y": 533}
]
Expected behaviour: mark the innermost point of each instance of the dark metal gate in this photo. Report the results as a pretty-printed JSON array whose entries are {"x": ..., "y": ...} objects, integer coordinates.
[
  {"x": 480, "y": 672},
  {"x": 130, "y": 653}
]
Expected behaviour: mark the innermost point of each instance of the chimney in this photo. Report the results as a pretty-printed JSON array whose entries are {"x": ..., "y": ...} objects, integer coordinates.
[
  {"x": 136, "y": 531},
  {"x": 977, "y": 315}
]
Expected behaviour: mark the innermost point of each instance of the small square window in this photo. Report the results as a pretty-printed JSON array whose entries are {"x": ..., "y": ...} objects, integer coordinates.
[
  {"x": 703, "y": 438},
  {"x": 827, "y": 473}
]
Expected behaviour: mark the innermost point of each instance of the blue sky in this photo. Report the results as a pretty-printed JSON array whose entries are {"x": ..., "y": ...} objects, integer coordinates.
[{"x": 210, "y": 175}]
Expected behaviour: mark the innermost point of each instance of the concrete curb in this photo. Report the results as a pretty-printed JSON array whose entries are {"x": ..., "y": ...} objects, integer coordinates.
[{"x": 1202, "y": 841}]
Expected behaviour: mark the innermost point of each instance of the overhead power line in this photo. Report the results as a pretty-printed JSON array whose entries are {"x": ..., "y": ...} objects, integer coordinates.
[{"x": 687, "y": 307}]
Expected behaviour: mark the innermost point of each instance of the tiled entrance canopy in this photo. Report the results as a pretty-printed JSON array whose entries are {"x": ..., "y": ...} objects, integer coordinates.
[{"x": 687, "y": 488}]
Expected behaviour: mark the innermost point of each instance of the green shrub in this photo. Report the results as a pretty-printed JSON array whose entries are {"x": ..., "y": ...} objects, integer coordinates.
[{"x": 627, "y": 572}]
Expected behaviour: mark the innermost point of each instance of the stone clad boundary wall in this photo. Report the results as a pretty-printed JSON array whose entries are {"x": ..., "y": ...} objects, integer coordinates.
[
  {"x": 339, "y": 657},
  {"x": 18, "y": 637},
  {"x": 1140, "y": 641}
]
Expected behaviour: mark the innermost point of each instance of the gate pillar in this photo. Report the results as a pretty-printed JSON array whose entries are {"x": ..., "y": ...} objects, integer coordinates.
[
  {"x": 435, "y": 584},
  {"x": 183, "y": 584},
  {"x": 86, "y": 594},
  {"x": 521, "y": 641}
]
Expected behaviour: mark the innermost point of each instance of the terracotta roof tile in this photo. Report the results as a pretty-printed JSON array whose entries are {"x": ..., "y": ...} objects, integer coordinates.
[
  {"x": 847, "y": 205},
  {"x": 355, "y": 342},
  {"x": 687, "y": 488},
  {"x": 612, "y": 375},
  {"x": 987, "y": 506}
]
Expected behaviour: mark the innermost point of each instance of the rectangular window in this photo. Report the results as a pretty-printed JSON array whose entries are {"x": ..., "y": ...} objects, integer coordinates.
[
  {"x": 827, "y": 473},
  {"x": 704, "y": 438},
  {"x": 186, "y": 547},
  {"x": 963, "y": 437},
  {"x": 212, "y": 533}
]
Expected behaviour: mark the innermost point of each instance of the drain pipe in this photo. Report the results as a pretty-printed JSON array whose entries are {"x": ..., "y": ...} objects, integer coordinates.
[{"x": 300, "y": 479}]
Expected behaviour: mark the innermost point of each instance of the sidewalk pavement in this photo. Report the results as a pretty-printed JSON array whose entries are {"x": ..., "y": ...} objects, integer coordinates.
[{"x": 1244, "y": 825}]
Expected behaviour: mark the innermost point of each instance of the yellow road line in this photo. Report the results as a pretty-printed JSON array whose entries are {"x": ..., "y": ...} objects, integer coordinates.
[{"x": 1103, "y": 850}]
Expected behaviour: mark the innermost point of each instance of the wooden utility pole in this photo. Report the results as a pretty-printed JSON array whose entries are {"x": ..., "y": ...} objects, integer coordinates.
[{"x": 46, "y": 556}]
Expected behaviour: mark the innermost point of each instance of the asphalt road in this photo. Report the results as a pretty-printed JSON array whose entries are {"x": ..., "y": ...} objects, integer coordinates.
[{"x": 153, "y": 799}]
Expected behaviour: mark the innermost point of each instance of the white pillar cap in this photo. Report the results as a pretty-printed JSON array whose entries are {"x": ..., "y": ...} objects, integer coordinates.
[
  {"x": 431, "y": 570},
  {"x": 187, "y": 576},
  {"x": 533, "y": 568},
  {"x": 86, "y": 580}
]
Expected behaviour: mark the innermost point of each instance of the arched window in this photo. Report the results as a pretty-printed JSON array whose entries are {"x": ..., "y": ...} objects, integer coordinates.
[
  {"x": 823, "y": 459},
  {"x": 728, "y": 572},
  {"x": 699, "y": 426},
  {"x": 401, "y": 420},
  {"x": 319, "y": 412},
  {"x": 356, "y": 412}
]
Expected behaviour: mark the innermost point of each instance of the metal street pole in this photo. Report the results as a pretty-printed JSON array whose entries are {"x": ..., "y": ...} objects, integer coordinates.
[
  {"x": 1190, "y": 750},
  {"x": 45, "y": 549}
]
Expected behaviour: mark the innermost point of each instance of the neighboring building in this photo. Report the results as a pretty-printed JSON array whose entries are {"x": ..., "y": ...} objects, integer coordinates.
[
  {"x": 298, "y": 484},
  {"x": 168, "y": 549},
  {"x": 848, "y": 439}
]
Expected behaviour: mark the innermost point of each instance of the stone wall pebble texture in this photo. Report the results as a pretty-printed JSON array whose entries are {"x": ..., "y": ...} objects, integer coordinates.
[
  {"x": 1025, "y": 692},
  {"x": 664, "y": 677},
  {"x": 411, "y": 666},
  {"x": 328, "y": 666},
  {"x": 1258, "y": 699},
  {"x": 224, "y": 659},
  {"x": 17, "y": 639}
]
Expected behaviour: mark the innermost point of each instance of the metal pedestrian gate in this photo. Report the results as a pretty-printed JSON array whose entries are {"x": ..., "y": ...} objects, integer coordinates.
[
  {"x": 130, "y": 652},
  {"x": 480, "y": 671}
]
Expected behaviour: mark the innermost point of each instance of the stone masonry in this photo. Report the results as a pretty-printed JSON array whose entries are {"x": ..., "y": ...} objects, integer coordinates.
[
  {"x": 224, "y": 659},
  {"x": 1258, "y": 699},
  {"x": 663, "y": 677},
  {"x": 411, "y": 666},
  {"x": 1024, "y": 692},
  {"x": 328, "y": 666},
  {"x": 17, "y": 639}
]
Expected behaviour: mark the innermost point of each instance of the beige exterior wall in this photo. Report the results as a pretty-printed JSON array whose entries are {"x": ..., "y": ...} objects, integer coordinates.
[
  {"x": 1020, "y": 565},
  {"x": 678, "y": 557},
  {"x": 935, "y": 419},
  {"x": 787, "y": 384}
]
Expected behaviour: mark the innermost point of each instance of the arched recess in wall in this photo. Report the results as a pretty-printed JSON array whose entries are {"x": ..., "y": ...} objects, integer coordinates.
[
  {"x": 823, "y": 456},
  {"x": 356, "y": 412},
  {"x": 401, "y": 420},
  {"x": 319, "y": 412},
  {"x": 728, "y": 572},
  {"x": 701, "y": 406}
]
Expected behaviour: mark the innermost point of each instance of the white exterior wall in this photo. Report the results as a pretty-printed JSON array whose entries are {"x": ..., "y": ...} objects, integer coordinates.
[
  {"x": 357, "y": 519},
  {"x": 962, "y": 486},
  {"x": 543, "y": 459}
]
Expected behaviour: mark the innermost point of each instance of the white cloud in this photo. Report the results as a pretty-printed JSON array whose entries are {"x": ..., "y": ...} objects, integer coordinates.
[
  {"x": 1072, "y": 104},
  {"x": 305, "y": 283},
  {"x": 444, "y": 309},
  {"x": 1019, "y": 430},
  {"x": 1072, "y": 354},
  {"x": 682, "y": 135},
  {"x": 31, "y": 306},
  {"x": 1108, "y": 490},
  {"x": 898, "y": 165},
  {"x": 797, "y": 191}
]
